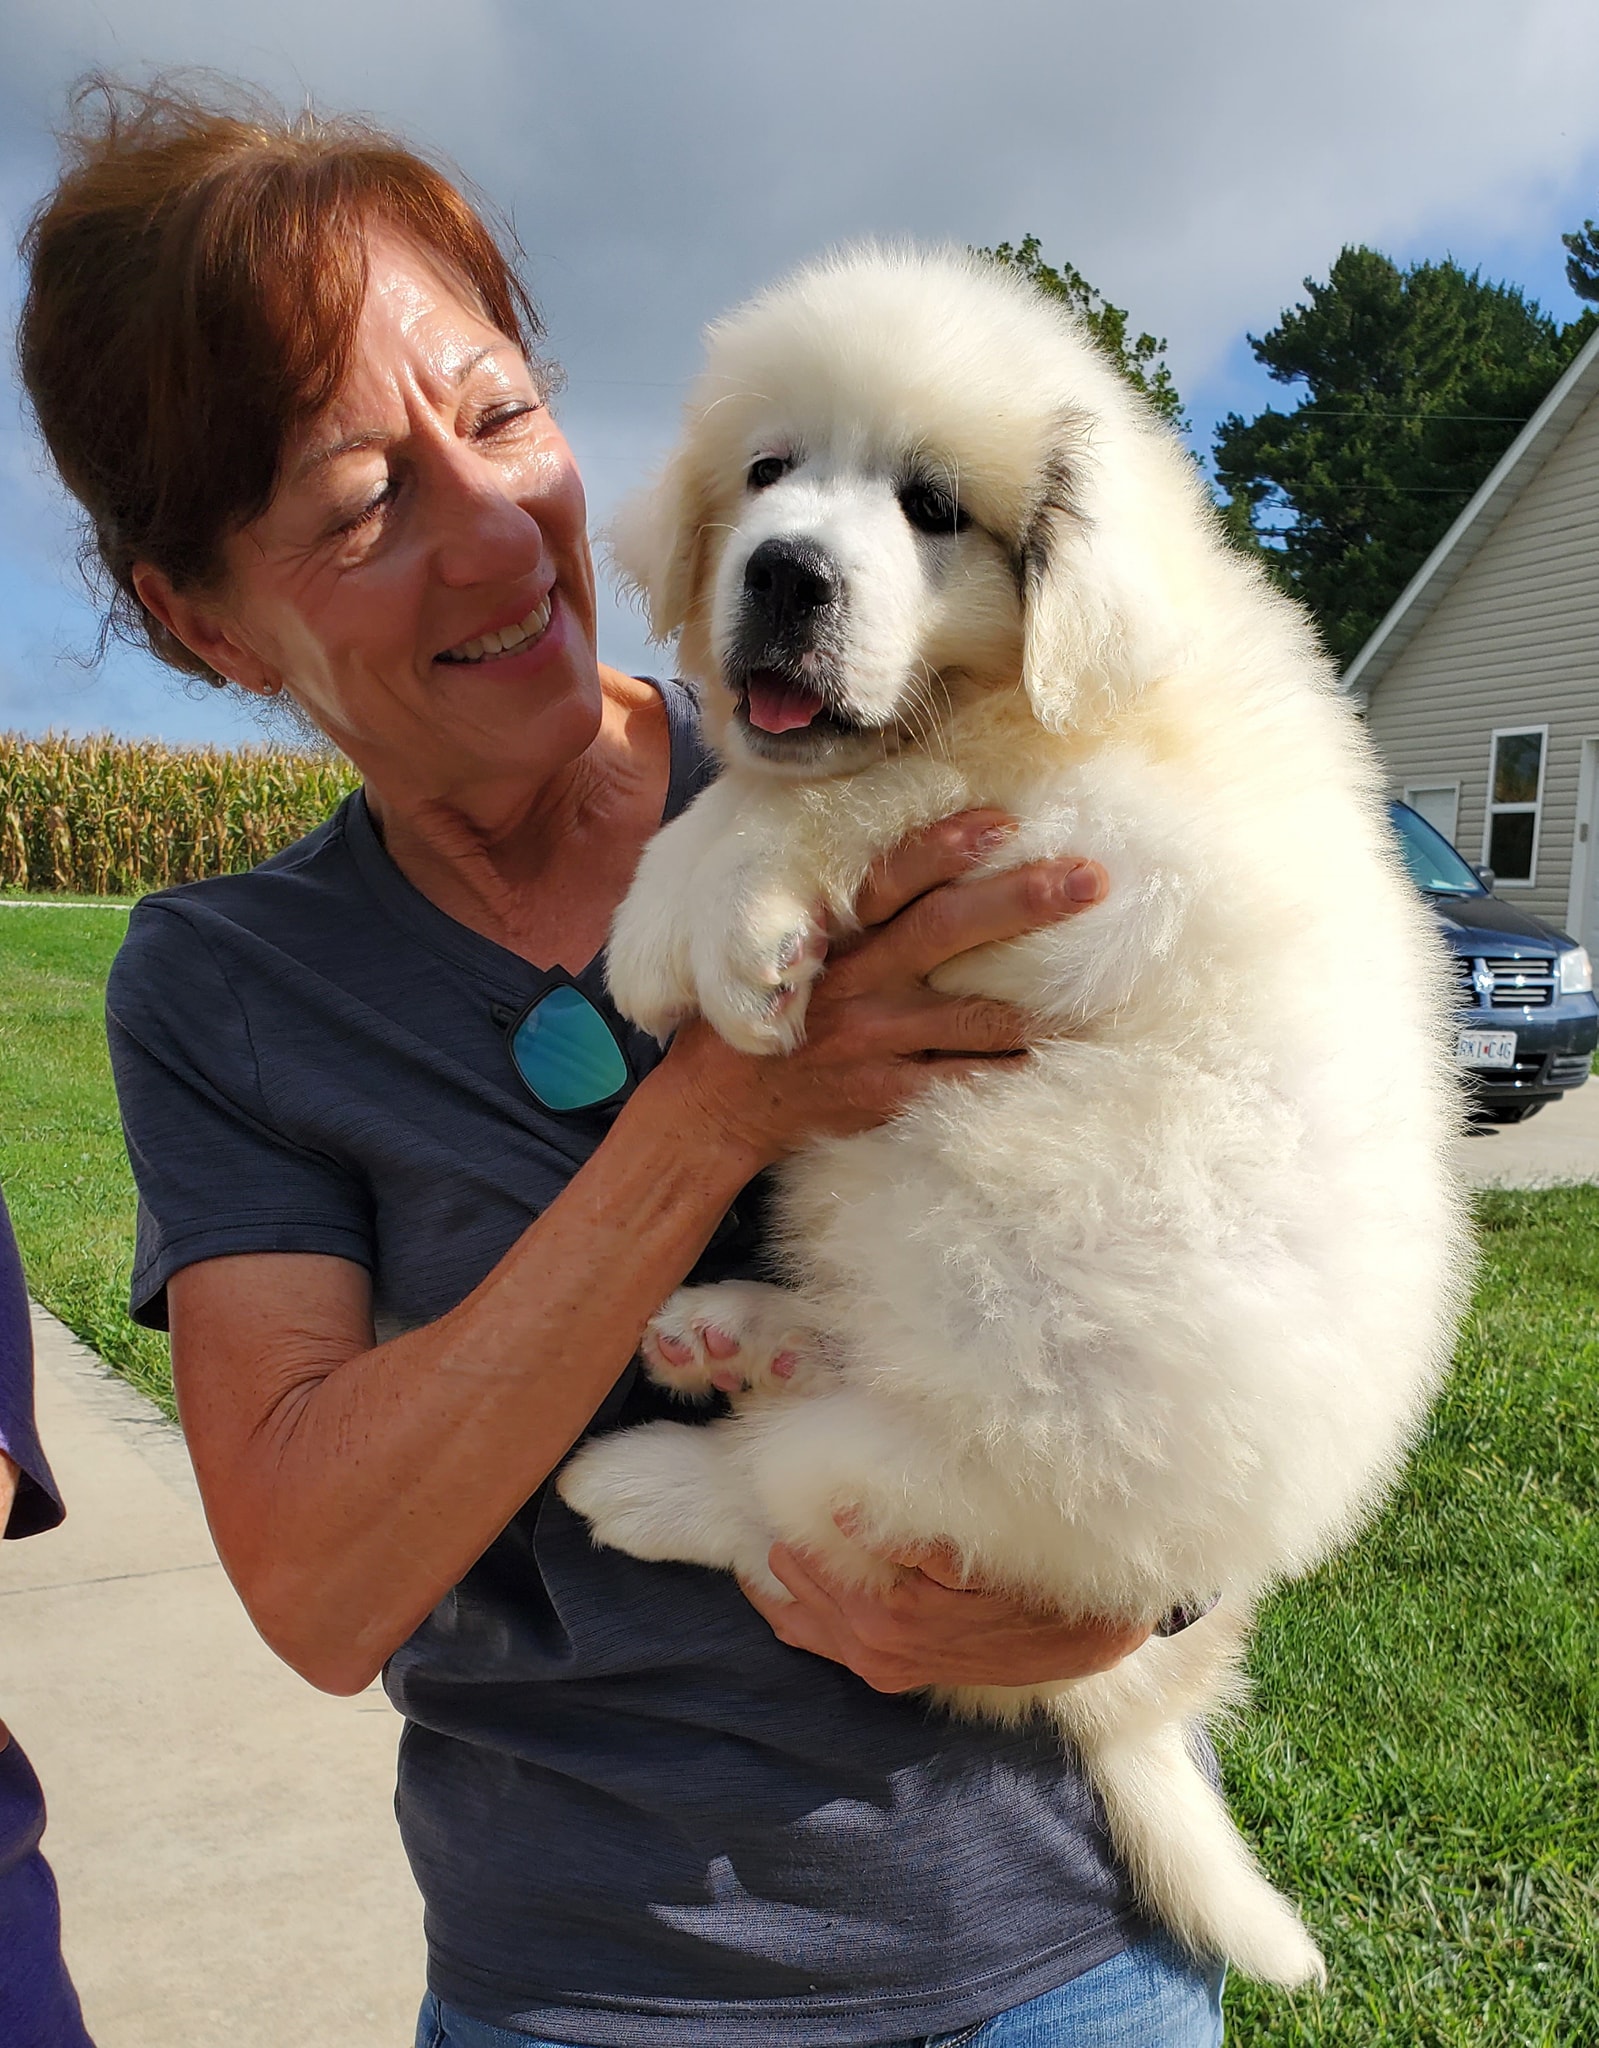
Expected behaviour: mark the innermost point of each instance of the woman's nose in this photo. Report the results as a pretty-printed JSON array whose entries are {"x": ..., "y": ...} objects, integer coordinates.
[{"x": 484, "y": 533}]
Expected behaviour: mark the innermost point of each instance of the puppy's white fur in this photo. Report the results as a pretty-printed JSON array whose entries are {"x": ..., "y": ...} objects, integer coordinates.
[{"x": 1157, "y": 1312}]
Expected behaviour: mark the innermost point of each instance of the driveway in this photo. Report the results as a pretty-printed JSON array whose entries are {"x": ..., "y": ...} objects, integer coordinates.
[
  {"x": 223, "y": 1835},
  {"x": 1561, "y": 1143}
]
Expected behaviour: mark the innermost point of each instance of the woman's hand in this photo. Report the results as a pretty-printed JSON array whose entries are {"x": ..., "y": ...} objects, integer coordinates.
[
  {"x": 876, "y": 1034},
  {"x": 928, "y": 1628}
]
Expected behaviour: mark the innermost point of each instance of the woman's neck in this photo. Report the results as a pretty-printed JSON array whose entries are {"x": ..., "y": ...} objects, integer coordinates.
[{"x": 539, "y": 868}]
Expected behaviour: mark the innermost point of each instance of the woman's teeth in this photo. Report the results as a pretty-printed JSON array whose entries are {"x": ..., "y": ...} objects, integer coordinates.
[{"x": 508, "y": 642}]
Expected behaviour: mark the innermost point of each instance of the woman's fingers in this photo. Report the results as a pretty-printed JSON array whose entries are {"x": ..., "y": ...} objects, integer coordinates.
[
  {"x": 941, "y": 853},
  {"x": 960, "y": 1027},
  {"x": 947, "y": 922}
]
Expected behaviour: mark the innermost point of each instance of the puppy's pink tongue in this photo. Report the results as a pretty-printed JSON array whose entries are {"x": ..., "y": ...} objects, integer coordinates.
[{"x": 778, "y": 706}]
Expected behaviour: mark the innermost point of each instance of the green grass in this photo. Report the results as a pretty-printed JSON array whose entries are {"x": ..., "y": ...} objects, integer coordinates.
[
  {"x": 1421, "y": 1766},
  {"x": 62, "y": 1165}
]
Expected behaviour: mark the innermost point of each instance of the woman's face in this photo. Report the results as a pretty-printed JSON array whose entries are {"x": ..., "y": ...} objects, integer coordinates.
[{"x": 430, "y": 513}]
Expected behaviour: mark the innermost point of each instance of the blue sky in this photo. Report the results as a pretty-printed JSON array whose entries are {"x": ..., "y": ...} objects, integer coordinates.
[{"x": 1196, "y": 162}]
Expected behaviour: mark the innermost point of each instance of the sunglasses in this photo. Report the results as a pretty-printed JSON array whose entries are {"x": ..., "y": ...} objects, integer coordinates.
[{"x": 565, "y": 1054}]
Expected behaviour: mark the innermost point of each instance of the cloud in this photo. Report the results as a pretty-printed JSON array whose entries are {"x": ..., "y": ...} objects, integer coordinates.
[{"x": 659, "y": 162}]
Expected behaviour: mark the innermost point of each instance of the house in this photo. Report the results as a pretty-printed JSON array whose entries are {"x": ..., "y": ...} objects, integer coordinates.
[{"x": 1481, "y": 686}]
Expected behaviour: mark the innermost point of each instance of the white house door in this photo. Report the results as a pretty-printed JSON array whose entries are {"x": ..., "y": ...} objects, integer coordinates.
[{"x": 1582, "y": 909}]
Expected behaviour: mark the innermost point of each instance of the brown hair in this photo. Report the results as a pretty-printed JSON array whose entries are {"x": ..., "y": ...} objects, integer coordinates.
[{"x": 194, "y": 285}]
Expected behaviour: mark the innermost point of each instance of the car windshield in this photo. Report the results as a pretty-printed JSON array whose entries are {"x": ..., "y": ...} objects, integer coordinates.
[{"x": 1434, "y": 865}]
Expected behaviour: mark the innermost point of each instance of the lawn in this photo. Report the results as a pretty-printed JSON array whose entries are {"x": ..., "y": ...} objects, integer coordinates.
[
  {"x": 62, "y": 1165},
  {"x": 1420, "y": 1767}
]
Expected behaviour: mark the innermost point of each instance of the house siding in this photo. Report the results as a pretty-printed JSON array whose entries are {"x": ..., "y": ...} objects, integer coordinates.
[{"x": 1514, "y": 642}]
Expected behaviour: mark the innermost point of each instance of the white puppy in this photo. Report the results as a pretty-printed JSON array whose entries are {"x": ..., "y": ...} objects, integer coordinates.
[{"x": 1156, "y": 1312}]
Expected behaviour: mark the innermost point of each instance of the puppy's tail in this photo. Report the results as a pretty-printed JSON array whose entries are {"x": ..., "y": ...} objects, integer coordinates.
[{"x": 1192, "y": 1869}]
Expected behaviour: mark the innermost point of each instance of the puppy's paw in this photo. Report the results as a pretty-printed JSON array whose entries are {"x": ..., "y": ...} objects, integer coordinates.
[
  {"x": 639, "y": 1491},
  {"x": 738, "y": 1337},
  {"x": 671, "y": 1493},
  {"x": 755, "y": 961},
  {"x": 648, "y": 978}
]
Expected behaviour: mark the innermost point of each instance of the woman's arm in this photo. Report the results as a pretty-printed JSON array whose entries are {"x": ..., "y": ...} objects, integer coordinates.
[{"x": 349, "y": 1485}]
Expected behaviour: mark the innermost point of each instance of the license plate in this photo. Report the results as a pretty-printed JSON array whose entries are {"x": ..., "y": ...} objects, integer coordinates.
[{"x": 1486, "y": 1049}]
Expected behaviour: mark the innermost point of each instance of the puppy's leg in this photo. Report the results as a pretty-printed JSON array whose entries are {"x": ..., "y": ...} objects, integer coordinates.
[
  {"x": 721, "y": 920},
  {"x": 672, "y": 1493},
  {"x": 648, "y": 966},
  {"x": 738, "y": 1337}
]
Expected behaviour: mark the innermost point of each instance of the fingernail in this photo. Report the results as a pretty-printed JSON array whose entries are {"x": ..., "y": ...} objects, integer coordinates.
[{"x": 1082, "y": 884}]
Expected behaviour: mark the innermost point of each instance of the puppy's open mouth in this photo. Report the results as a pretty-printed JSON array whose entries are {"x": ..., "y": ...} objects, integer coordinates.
[{"x": 776, "y": 703}]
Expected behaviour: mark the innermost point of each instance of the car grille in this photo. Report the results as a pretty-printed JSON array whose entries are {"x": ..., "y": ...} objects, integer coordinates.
[{"x": 1517, "y": 984}]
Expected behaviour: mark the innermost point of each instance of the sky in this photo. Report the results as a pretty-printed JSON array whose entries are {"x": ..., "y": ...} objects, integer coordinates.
[{"x": 1195, "y": 161}]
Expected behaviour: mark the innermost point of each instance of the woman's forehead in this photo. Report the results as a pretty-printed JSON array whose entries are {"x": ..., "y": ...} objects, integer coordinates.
[{"x": 419, "y": 327}]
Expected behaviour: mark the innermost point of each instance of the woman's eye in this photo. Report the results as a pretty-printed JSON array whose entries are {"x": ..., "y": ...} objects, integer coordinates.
[
  {"x": 766, "y": 471},
  {"x": 370, "y": 510},
  {"x": 504, "y": 416},
  {"x": 931, "y": 509}
]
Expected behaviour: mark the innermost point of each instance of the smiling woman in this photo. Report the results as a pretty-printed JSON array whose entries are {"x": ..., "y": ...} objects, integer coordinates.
[
  {"x": 194, "y": 289},
  {"x": 411, "y": 1188}
]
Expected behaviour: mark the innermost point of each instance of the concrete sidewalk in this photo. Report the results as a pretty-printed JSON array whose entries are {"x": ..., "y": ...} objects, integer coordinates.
[
  {"x": 1560, "y": 1143},
  {"x": 223, "y": 1835}
]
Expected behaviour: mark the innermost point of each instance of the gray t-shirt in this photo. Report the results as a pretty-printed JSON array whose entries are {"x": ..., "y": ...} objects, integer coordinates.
[{"x": 634, "y": 1815}]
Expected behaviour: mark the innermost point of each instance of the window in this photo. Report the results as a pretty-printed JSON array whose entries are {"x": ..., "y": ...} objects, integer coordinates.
[
  {"x": 1438, "y": 803},
  {"x": 1515, "y": 789}
]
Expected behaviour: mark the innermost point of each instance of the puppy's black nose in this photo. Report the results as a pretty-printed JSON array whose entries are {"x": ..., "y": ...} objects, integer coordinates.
[{"x": 788, "y": 579}]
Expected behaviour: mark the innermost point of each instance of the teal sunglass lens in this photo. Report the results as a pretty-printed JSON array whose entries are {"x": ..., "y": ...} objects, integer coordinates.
[{"x": 564, "y": 1051}]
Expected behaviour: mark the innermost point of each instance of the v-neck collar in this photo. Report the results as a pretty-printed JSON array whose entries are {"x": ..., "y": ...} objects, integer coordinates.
[{"x": 420, "y": 917}]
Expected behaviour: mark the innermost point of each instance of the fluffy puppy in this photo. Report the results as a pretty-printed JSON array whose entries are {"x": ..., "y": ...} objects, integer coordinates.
[{"x": 1156, "y": 1312}]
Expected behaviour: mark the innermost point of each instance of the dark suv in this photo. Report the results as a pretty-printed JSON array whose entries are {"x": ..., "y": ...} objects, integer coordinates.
[{"x": 1527, "y": 1020}]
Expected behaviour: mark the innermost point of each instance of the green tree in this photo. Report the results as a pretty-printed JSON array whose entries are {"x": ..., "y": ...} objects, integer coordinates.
[
  {"x": 1141, "y": 358},
  {"x": 1582, "y": 260},
  {"x": 1416, "y": 381}
]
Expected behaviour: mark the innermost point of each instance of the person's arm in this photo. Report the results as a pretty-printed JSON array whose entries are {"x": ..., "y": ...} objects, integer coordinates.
[
  {"x": 349, "y": 1485},
  {"x": 9, "y": 1475}
]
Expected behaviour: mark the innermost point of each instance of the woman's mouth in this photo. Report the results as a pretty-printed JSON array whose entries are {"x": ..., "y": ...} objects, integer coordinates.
[{"x": 513, "y": 639}]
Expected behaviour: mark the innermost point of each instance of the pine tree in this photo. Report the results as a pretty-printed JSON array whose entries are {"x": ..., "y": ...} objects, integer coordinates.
[
  {"x": 1415, "y": 382},
  {"x": 1139, "y": 357},
  {"x": 1582, "y": 260}
]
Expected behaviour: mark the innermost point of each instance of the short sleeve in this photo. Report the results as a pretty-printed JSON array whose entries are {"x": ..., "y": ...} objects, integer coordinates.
[{"x": 215, "y": 1176}]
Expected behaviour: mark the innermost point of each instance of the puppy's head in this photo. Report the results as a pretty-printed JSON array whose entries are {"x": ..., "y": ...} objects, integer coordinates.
[{"x": 905, "y": 479}]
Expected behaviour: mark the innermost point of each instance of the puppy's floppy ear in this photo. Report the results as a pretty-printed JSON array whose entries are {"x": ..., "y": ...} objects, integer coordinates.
[
  {"x": 657, "y": 543},
  {"x": 1095, "y": 627}
]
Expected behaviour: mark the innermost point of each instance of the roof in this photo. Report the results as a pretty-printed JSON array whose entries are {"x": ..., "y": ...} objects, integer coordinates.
[{"x": 1448, "y": 561}]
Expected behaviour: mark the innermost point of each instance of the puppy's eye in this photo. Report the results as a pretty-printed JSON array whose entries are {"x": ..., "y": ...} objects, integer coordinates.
[
  {"x": 931, "y": 509},
  {"x": 766, "y": 471}
]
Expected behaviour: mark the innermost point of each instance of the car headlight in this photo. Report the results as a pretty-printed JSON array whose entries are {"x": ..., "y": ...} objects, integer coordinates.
[{"x": 1576, "y": 972}]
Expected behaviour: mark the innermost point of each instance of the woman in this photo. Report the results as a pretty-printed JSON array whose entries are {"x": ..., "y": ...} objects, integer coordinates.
[{"x": 410, "y": 1189}]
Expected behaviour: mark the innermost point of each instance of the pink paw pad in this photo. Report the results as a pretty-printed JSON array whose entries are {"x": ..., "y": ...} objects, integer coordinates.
[{"x": 671, "y": 1350}]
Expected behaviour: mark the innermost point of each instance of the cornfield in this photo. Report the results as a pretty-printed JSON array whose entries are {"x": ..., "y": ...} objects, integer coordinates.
[{"x": 107, "y": 817}]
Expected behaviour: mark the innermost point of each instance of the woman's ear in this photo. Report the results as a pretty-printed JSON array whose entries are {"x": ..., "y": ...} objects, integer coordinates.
[
  {"x": 204, "y": 631},
  {"x": 658, "y": 543}
]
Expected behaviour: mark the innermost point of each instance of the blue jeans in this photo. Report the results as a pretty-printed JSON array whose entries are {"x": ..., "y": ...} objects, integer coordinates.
[{"x": 1150, "y": 1996}]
